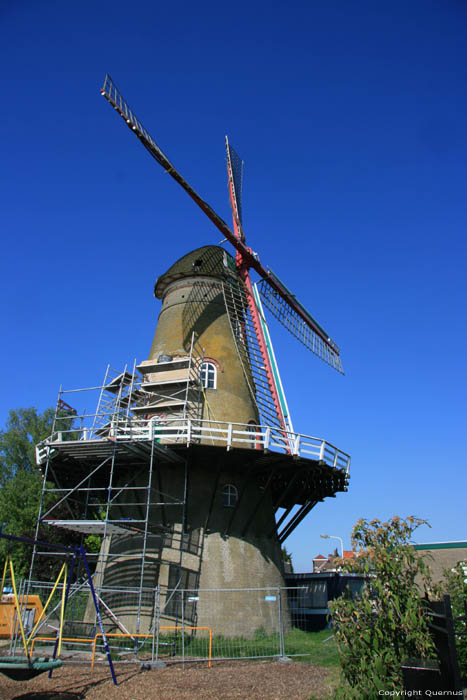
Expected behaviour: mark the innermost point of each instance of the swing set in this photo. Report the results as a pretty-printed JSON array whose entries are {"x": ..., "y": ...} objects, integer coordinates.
[{"x": 22, "y": 668}]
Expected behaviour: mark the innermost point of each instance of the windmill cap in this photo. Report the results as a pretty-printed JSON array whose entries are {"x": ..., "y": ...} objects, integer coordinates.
[{"x": 209, "y": 261}]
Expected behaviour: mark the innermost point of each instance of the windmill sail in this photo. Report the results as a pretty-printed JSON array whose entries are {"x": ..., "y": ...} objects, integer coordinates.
[
  {"x": 249, "y": 352},
  {"x": 275, "y": 295},
  {"x": 294, "y": 322},
  {"x": 235, "y": 164},
  {"x": 272, "y": 357},
  {"x": 268, "y": 390}
]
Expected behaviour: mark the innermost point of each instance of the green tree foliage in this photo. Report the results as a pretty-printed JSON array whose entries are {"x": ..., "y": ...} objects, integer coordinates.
[
  {"x": 20, "y": 490},
  {"x": 24, "y": 429},
  {"x": 287, "y": 559},
  {"x": 19, "y": 505},
  {"x": 385, "y": 624}
]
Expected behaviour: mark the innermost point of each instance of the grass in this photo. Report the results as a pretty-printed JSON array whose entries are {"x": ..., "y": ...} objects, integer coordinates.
[
  {"x": 321, "y": 647},
  {"x": 317, "y": 648}
]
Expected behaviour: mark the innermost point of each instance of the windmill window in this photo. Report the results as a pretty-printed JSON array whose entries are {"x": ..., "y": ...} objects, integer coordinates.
[
  {"x": 208, "y": 375},
  {"x": 229, "y": 496}
]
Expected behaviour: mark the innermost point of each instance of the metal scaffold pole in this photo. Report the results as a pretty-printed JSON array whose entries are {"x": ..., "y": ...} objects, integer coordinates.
[{"x": 145, "y": 536}]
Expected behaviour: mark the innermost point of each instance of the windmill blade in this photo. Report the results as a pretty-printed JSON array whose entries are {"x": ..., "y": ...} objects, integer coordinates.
[
  {"x": 250, "y": 353},
  {"x": 235, "y": 170},
  {"x": 299, "y": 322},
  {"x": 261, "y": 357},
  {"x": 330, "y": 351},
  {"x": 326, "y": 348},
  {"x": 114, "y": 97}
]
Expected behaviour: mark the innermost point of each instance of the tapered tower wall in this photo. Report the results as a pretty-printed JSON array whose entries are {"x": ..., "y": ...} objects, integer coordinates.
[
  {"x": 226, "y": 543},
  {"x": 196, "y": 305}
]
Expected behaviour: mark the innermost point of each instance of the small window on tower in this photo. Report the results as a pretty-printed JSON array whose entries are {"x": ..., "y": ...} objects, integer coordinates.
[
  {"x": 229, "y": 496},
  {"x": 208, "y": 375}
]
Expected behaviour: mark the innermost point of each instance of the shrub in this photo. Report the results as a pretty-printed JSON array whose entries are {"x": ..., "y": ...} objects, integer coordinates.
[{"x": 385, "y": 623}]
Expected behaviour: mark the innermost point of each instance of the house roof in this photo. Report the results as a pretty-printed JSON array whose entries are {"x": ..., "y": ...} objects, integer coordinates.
[
  {"x": 349, "y": 554},
  {"x": 441, "y": 545}
]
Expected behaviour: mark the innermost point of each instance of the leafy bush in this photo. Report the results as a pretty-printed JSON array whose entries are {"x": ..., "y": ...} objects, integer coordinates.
[{"x": 385, "y": 623}]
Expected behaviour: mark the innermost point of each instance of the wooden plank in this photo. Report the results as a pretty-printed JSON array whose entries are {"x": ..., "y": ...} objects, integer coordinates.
[
  {"x": 174, "y": 375},
  {"x": 154, "y": 366}
]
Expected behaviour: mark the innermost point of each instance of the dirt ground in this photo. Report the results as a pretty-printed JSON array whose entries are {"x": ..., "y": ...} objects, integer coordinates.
[{"x": 255, "y": 680}]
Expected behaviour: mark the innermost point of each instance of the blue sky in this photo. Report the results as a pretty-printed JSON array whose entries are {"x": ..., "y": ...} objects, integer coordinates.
[{"x": 351, "y": 120}]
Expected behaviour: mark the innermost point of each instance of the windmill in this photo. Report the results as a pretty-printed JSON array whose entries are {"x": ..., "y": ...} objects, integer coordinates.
[
  {"x": 244, "y": 302},
  {"x": 274, "y": 295},
  {"x": 206, "y": 417}
]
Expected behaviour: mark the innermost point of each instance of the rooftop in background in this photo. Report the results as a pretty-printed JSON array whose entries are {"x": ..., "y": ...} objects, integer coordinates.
[
  {"x": 322, "y": 564},
  {"x": 441, "y": 545}
]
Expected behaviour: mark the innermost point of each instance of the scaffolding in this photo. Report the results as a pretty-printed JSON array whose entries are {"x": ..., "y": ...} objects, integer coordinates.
[{"x": 101, "y": 476}]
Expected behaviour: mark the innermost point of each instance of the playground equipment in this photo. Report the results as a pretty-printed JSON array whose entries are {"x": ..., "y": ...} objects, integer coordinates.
[
  {"x": 17, "y": 667},
  {"x": 23, "y": 668}
]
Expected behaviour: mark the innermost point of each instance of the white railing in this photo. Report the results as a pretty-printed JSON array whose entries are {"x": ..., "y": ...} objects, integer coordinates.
[{"x": 184, "y": 431}]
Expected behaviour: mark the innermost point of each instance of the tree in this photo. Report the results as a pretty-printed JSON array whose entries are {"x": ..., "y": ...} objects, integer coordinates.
[
  {"x": 19, "y": 505},
  {"x": 24, "y": 429},
  {"x": 385, "y": 623},
  {"x": 21, "y": 487},
  {"x": 287, "y": 559}
]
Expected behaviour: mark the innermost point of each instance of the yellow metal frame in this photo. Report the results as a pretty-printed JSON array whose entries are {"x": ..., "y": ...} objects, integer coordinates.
[{"x": 63, "y": 571}]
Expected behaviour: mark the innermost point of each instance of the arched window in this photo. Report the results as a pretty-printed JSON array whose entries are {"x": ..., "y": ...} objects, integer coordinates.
[
  {"x": 208, "y": 375},
  {"x": 229, "y": 496}
]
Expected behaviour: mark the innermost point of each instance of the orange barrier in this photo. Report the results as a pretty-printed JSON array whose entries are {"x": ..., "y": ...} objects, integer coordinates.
[
  {"x": 64, "y": 639},
  {"x": 149, "y": 636}
]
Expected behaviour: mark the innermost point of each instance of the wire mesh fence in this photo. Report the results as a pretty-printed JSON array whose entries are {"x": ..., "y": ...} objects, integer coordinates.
[{"x": 170, "y": 624}]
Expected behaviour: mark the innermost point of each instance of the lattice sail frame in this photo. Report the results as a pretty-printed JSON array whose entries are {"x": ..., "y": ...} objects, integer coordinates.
[
  {"x": 286, "y": 315},
  {"x": 235, "y": 165},
  {"x": 249, "y": 352},
  {"x": 290, "y": 312},
  {"x": 262, "y": 360}
]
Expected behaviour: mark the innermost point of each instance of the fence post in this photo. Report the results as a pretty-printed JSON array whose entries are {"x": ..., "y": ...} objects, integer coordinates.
[
  {"x": 451, "y": 635},
  {"x": 156, "y": 618},
  {"x": 188, "y": 433},
  {"x": 183, "y": 626},
  {"x": 296, "y": 447},
  {"x": 321, "y": 451},
  {"x": 281, "y": 625},
  {"x": 267, "y": 437}
]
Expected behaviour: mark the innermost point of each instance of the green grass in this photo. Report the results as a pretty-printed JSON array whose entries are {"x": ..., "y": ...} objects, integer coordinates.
[
  {"x": 321, "y": 652},
  {"x": 317, "y": 648}
]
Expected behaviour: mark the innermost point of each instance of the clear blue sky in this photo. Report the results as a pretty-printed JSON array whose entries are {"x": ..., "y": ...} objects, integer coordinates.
[{"x": 351, "y": 121}]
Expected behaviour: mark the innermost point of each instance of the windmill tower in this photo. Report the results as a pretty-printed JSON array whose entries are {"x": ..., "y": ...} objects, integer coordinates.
[{"x": 206, "y": 417}]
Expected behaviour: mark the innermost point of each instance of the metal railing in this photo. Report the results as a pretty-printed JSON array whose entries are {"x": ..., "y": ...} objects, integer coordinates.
[{"x": 185, "y": 431}]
